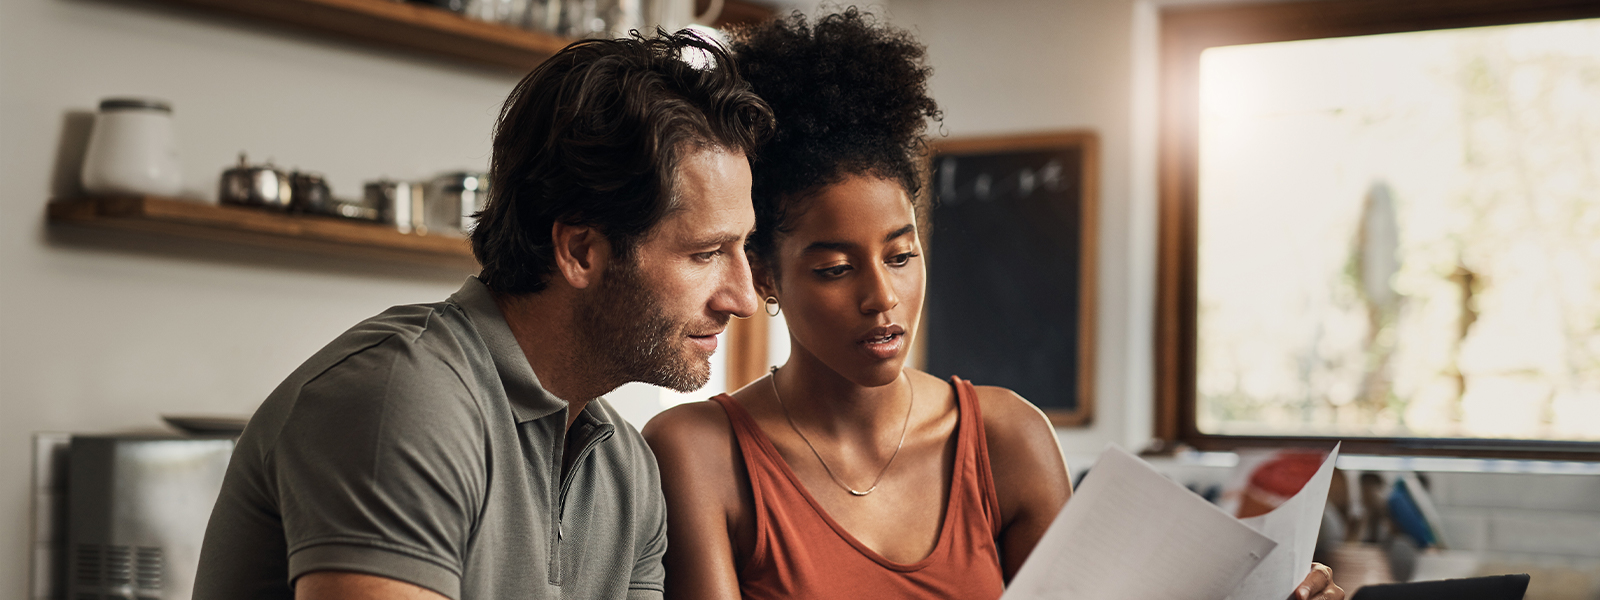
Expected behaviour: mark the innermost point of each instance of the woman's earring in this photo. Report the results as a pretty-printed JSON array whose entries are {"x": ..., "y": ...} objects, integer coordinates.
[{"x": 772, "y": 307}]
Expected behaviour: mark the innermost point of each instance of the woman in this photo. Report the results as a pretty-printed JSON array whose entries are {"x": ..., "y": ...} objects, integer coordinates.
[{"x": 843, "y": 473}]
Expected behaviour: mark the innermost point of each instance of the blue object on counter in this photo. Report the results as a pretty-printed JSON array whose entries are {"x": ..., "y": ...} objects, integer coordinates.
[{"x": 1405, "y": 513}]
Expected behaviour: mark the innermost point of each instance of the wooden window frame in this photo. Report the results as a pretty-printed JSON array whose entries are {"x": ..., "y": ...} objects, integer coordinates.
[{"x": 1186, "y": 31}]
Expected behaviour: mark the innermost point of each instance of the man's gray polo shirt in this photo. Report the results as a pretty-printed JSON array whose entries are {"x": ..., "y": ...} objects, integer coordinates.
[{"x": 419, "y": 446}]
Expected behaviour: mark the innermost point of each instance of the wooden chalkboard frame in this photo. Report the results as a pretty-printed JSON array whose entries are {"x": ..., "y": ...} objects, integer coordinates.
[{"x": 1087, "y": 143}]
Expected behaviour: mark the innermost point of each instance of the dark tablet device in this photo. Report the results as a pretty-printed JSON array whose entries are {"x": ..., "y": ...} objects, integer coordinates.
[{"x": 1498, "y": 587}]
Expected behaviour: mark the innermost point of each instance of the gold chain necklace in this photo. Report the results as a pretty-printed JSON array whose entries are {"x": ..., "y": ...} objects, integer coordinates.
[{"x": 773, "y": 379}]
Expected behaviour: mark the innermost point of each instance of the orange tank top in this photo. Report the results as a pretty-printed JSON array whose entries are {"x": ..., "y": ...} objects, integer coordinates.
[{"x": 801, "y": 553}]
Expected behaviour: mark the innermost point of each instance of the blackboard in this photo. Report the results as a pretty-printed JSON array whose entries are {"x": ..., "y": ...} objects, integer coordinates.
[{"x": 1011, "y": 256}]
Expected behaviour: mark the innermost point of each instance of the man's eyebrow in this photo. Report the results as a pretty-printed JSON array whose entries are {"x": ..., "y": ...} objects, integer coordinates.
[{"x": 718, "y": 240}]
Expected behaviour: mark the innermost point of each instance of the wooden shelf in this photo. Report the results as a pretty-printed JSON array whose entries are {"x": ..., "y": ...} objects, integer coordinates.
[
  {"x": 429, "y": 30},
  {"x": 329, "y": 236},
  {"x": 400, "y": 25}
]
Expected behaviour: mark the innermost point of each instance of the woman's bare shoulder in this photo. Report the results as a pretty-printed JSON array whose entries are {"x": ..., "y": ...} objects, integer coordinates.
[
  {"x": 689, "y": 425},
  {"x": 695, "y": 448},
  {"x": 1012, "y": 425},
  {"x": 1020, "y": 436},
  {"x": 1010, "y": 416},
  {"x": 1030, "y": 474}
]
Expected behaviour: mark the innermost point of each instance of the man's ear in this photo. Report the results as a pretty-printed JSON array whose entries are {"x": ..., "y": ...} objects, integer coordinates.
[
  {"x": 581, "y": 253},
  {"x": 762, "y": 276}
]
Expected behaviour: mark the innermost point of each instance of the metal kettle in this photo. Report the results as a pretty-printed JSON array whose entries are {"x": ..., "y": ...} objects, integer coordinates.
[{"x": 262, "y": 186}]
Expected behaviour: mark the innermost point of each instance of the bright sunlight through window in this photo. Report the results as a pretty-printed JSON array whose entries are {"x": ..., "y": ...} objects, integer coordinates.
[{"x": 1400, "y": 235}]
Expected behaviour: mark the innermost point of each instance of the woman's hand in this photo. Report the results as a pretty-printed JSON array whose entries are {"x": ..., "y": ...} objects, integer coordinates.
[{"x": 1318, "y": 585}]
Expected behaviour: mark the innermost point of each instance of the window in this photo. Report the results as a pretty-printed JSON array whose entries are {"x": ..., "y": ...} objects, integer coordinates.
[{"x": 1381, "y": 223}]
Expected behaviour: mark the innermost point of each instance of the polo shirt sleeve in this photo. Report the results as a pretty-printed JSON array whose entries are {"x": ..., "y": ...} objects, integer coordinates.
[
  {"x": 380, "y": 469},
  {"x": 648, "y": 581}
]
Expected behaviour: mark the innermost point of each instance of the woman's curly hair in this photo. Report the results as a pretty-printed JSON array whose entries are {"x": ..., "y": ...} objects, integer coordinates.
[{"x": 850, "y": 98}]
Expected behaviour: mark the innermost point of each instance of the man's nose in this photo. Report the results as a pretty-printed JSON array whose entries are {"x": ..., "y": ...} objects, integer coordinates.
[{"x": 737, "y": 294}]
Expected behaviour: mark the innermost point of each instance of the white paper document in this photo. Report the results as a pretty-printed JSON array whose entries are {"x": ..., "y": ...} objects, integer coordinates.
[
  {"x": 1294, "y": 526},
  {"x": 1128, "y": 533}
]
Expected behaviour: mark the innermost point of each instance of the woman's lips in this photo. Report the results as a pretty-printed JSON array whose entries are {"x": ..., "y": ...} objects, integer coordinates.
[{"x": 883, "y": 343}]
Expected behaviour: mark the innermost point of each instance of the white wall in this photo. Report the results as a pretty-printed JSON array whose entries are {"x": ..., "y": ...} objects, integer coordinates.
[
  {"x": 1038, "y": 65},
  {"x": 104, "y": 332}
]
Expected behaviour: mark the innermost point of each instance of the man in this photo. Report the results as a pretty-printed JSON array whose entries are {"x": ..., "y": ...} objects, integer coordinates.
[{"x": 461, "y": 449}]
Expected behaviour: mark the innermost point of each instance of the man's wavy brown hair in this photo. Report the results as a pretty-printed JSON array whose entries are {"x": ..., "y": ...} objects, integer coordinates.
[{"x": 594, "y": 136}]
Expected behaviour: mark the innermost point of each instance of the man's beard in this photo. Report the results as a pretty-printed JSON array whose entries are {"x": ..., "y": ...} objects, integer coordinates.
[{"x": 627, "y": 336}]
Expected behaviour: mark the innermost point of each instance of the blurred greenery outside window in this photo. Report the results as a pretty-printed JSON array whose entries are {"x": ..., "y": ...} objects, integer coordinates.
[{"x": 1399, "y": 235}]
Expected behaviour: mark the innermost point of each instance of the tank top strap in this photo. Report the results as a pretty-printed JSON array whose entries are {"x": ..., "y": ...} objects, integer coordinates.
[
  {"x": 747, "y": 432},
  {"x": 758, "y": 451},
  {"x": 759, "y": 455},
  {"x": 741, "y": 420},
  {"x": 975, "y": 444}
]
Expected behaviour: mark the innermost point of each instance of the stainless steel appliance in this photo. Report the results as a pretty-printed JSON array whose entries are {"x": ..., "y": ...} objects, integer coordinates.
[
  {"x": 137, "y": 512},
  {"x": 308, "y": 192},
  {"x": 255, "y": 185},
  {"x": 453, "y": 200},
  {"x": 399, "y": 203}
]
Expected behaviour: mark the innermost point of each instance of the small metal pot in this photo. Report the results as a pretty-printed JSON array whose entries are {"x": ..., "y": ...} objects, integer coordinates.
[
  {"x": 309, "y": 192},
  {"x": 453, "y": 199},
  {"x": 399, "y": 203},
  {"x": 261, "y": 186}
]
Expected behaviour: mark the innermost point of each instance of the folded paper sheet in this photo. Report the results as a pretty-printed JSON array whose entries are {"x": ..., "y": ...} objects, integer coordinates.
[
  {"x": 1294, "y": 526},
  {"x": 1131, "y": 534}
]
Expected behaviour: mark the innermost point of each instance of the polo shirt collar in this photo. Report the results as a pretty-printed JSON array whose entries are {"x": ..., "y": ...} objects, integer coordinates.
[{"x": 529, "y": 400}]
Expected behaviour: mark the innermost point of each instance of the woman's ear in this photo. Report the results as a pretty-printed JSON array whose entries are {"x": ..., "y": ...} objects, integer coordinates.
[
  {"x": 581, "y": 253},
  {"x": 762, "y": 276}
]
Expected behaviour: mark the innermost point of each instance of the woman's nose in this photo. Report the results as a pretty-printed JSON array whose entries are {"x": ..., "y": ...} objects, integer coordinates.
[{"x": 880, "y": 294}]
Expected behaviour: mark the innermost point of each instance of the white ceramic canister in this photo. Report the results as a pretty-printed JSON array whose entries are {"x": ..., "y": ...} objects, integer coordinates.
[{"x": 132, "y": 150}]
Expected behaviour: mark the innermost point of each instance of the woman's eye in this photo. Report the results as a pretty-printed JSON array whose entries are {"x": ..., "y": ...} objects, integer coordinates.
[
  {"x": 901, "y": 259},
  {"x": 832, "y": 272}
]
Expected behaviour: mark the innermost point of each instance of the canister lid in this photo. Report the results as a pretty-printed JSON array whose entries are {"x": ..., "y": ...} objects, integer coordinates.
[{"x": 135, "y": 104}]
